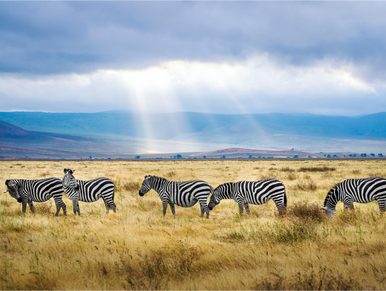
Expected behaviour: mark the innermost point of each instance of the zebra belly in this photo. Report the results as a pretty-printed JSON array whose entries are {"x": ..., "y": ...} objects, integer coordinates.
[
  {"x": 90, "y": 199},
  {"x": 41, "y": 198},
  {"x": 255, "y": 199},
  {"x": 187, "y": 202}
]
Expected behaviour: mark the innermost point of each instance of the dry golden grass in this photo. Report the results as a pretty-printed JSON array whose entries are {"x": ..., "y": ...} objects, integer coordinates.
[{"x": 137, "y": 248}]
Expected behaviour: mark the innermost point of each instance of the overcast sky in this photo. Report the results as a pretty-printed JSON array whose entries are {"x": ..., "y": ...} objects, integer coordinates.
[{"x": 220, "y": 57}]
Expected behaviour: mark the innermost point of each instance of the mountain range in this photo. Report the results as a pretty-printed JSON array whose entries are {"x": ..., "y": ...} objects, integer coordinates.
[{"x": 126, "y": 134}]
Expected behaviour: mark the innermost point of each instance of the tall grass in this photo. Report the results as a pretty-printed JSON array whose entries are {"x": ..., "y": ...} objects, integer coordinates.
[{"x": 138, "y": 248}]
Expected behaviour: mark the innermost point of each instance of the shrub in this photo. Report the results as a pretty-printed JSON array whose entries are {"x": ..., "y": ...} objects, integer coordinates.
[
  {"x": 156, "y": 268},
  {"x": 170, "y": 175},
  {"x": 324, "y": 279},
  {"x": 287, "y": 169},
  {"x": 305, "y": 210},
  {"x": 291, "y": 176},
  {"x": 306, "y": 186},
  {"x": 316, "y": 169},
  {"x": 132, "y": 186}
]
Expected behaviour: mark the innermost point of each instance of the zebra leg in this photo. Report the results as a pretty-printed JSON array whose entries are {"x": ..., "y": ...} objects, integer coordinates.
[
  {"x": 280, "y": 205},
  {"x": 60, "y": 204},
  {"x": 24, "y": 206},
  {"x": 382, "y": 205},
  {"x": 173, "y": 209},
  {"x": 247, "y": 208},
  {"x": 64, "y": 207},
  {"x": 75, "y": 207},
  {"x": 241, "y": 208},
  {"x": 107, "y": 207},
  {"x": 164, "y": 206},
  {"x": 204, "y": 208},
  {"x": 113, "y": 207},
  {"x": 348, "y": 204},
  {"x": 31, "y": 206}
]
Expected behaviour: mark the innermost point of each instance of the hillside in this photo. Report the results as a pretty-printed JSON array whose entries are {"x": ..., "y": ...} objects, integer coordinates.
[
  {"x": 123, "y": 132},
  {"x": 17, "y": 142}
]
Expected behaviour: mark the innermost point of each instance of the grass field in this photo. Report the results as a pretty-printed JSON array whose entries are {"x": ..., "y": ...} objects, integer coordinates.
[{"x": 137, "y": 248}]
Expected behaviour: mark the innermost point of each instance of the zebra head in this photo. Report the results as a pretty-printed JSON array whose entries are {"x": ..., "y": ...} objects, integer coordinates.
[
  {"x": 69, "y": 180},
  {"x": 146, "y": 186},
  {"x": 214, "y": 199},
  {"x": 14, "y": 189},
  {"x": 330, "y": 201}
]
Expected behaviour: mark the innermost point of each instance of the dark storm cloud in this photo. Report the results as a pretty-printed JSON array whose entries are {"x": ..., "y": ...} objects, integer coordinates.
[{"x": 65, "y": 37}]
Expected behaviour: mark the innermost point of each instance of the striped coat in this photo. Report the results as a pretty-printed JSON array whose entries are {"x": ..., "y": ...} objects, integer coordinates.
[
  {"x": 29, "y": 191},
  {"x": 184, "y": 194},
  {"x": 245, "y": 192}
]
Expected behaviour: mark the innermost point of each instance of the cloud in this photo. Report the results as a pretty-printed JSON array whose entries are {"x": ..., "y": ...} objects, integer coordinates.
[
  {"x": 65, "y": 37},
  {"x": 258, "y": 84},
  {"x": 316, "y": 57}
]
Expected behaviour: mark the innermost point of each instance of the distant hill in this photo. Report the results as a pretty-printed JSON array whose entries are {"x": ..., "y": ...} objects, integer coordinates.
[
  {"x": 17, "y": 142},
  {"x": 250, "y": 152},
  {"x": 128, "y": 132}
]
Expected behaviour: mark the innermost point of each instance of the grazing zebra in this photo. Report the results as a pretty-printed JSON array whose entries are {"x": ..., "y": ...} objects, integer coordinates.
[
  {"x": 184, "y": 194},
  {"x": 258, "y": 192},
  {"x": 363, "y": 190},
  {"x": 29, "y": 191},
  {"x": 88, "y": 191}
]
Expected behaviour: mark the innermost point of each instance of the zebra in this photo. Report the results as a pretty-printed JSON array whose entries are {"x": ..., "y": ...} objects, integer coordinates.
[
  {"x": 184, "y": 194},
  {"x": 29, "y": 191},
  {"x": 363, "y": 190},
  {"x": 88, "y": 191},
  {"x": 258, "y": 192}
]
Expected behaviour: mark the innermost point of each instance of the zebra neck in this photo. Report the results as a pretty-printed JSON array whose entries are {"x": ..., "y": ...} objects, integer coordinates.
[
  {"x": 226, "y": 195},
  {"x": 71, "y": 192},
  {"x": 332, "y": 198},
  {"x": 159, "y": 185}
]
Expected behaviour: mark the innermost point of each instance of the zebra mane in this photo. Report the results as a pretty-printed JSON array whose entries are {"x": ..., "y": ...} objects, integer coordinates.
[{"x": 152, "y": 176}]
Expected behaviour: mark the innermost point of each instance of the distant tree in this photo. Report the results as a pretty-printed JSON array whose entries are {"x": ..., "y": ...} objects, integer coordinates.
[
  {"x": 328, "y": 156},
  {"x": 372, "y": 155},
  {"x": 309, "y": 157},
  {"x": 363, "y": 155},
  {"x": 137, "y": 157},
  {"x": 90, "y": 157},
  {"x": 296, "y": 156},
  {"x": 178, "y": 156},
  {"x": 204, "y": 157},
  {"x": 250, "y": 157},
  {"x": 223, "y": 157},
  {"x": 380, "y": 155}
]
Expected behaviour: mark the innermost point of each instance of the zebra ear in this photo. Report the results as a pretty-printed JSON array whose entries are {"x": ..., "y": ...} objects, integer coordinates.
[
  {"x": 65, "y": 171},
  {"x": 6, "y": 182}
]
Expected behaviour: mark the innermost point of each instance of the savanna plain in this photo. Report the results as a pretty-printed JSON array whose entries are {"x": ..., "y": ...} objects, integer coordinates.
[{"x": 138, "y": 248}]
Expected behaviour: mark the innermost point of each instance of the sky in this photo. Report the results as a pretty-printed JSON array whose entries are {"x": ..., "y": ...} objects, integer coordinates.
[{"x": 218, "y": 57}]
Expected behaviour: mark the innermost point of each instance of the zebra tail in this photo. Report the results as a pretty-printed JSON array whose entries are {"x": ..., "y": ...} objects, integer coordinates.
[{"x": 285, "y": 199}]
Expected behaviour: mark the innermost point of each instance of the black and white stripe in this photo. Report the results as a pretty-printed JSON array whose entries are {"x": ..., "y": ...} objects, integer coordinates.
[
  {"x": 29, "y": 191},
  {"x": 363, "y": 190},
  {"x": 88, "y": 191},
  {"x": 184, "y": 194},
  {"x": 245, "y": 192}
]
